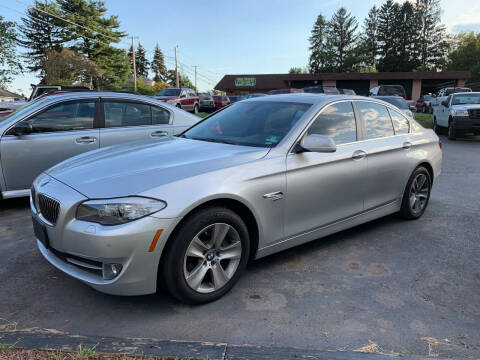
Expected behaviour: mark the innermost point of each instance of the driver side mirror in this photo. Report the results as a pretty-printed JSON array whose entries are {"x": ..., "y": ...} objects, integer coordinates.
[
  {"x": 445, "y": 103},
  {"x": 318, "y": 143},
  {"x": 21, "y": 128}
]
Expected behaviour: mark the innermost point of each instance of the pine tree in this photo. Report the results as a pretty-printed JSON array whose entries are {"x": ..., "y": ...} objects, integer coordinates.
[
  {"x": 320, "y": 53},
  {"x": 406, "y": 29},
  {"x": 158, "y": 65},
  {"x": 432, "y": 40},
  {"x": 40, "y": 33},
  {"x": 342, "y": 40},
  {"x": 387, "y": 31},
  {"x": 369, "y": 39},
  {"x": 9, "y": 66},
  {"x": 142, "y": 63}
]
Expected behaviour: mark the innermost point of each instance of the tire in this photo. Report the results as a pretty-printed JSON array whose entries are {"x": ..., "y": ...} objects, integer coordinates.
[
  {"x": 185, "y": 257},
  {"x": 436, "y": 127},
  {"x": 424, "y": 109},
  {"x": 413, "y": 209},
  {"x": 179, "y": 106},
  {"x": 452, "y": 132},
  {"x": 195, "y": 109}
]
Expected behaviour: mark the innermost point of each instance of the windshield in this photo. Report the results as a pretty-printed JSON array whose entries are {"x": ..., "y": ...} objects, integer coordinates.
[
  {"x": 204, "y": 96},
  {"x": 397, "y": 101},
  {"x": 260, "y": 124},
  {"x": 169, "y": 92},
  {"x": 457, "y": 90},
  {"x": 461, "y": 99}
]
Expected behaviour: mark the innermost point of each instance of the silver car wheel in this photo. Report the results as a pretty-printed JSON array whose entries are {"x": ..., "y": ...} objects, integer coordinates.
[
  {"x": 212, "y": 257},
  {"x": 419, "y": 193}
]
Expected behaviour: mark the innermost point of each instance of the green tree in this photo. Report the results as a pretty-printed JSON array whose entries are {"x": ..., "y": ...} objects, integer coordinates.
[
  {"x": 368, "y": 48},
  {"x": 431, "y": 40},
  {"x": 40, "y": 33},
  {"x": 320, "y": 53},
  {"x": 296, "y": 70},
  {"x": 9, "y": 65},
  {"x": 141, "y": 62},
  {"x": 406, "y": 30},
  {"x": 387, "y": 31},
  {"x": 342, "y": 40},
  {"x": 158, "y": 65},
  {"x": 115, "y": 65},
  {"x": 182, "y": 79},
  {"x": 67, "y": 67},
  {"x": 466, "y": 54}
]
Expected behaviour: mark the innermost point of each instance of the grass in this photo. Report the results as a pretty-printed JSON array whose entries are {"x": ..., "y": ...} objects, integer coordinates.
[
  {"x": 426, "y": 120},
  {"x": 202, "y": 114}
]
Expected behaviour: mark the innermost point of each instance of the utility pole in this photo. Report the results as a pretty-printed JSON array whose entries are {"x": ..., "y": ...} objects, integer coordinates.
[
  {"x": 195, "y": 66},
  {"x": 134, "y": 64},
  {"x": 177, "y": 82}
]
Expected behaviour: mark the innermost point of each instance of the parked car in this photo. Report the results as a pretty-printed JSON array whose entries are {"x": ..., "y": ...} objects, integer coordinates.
[
  {"x": 460, "y": 114},
  {"x": 329, "y": 90},
  {"x": 189, "y": 211},
  {"x": 424, "y": 104},
  {"x": 8, "y": 107},
  {"x": 399, "y": 103},
  {"x": 254, "y": 95},
  {"x": 445, "y": 92},
  {"x": 284, "y": 91},
  {"x": 347, "y": 91},
  {"x": 39, "y": 90},
  {"x": 183, "y": 98},
  {"x": 206, "y": 102},
  {"x": 52, "y": 129},
  {"x": 388, "y": 90},
  {"x": 220, "y": 101},
  {"x": 235, "y": 98}
]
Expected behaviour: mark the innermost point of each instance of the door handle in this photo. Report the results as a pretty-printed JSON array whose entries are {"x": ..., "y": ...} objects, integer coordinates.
[
  {"x": 359, "y": 154},
  {"x": 85, "y": 140},
  {"x": 159, "y": 133},
  {"x": 407, "y": 145}
]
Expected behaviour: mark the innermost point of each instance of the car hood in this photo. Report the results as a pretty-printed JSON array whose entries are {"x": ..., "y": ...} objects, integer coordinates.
[{"x": 137, "y": 167}]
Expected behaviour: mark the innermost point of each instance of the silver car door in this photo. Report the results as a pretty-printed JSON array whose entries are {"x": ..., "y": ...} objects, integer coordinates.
[
  {"x": 323, "y": 188},
  {"x": 59, "y": 132},
  {"x": 162, "y": 121},
  {"x": 387, "y": 155}
]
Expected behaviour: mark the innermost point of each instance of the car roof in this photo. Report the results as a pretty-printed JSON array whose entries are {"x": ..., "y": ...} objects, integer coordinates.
[
  {"x": 309, "y": 98},
  {"x": 96, "y": 94}
]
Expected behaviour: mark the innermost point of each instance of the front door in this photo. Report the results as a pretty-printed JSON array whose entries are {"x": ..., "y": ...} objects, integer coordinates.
[
  {"x": 60, "y": 132},
  {"x": 323, "y": 188}
]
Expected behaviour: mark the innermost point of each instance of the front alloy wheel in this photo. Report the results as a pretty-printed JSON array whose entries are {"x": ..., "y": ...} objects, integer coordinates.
[{"x": 205, "y": 256}]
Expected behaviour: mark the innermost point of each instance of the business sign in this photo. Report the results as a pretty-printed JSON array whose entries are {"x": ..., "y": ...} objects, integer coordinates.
[{"x": 245, "y": 81}]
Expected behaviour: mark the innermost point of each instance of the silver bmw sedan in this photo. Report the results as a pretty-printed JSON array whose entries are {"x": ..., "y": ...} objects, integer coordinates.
[{"x": 255, "y": 178}]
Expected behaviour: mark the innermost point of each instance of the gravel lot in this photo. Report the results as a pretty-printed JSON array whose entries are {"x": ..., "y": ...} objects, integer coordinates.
[{"x": 409, "y": 286}]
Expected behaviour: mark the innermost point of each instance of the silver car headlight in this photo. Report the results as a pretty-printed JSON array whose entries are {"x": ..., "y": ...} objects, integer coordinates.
[
  {"x": 460, "y": 112},
  {"x": 119, "y": 210}
]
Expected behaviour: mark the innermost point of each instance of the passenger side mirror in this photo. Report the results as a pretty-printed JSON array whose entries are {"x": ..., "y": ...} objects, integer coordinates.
[
  {"x": 318, "y": 143},
  {"x": 445, "y": 103},
  {"x": 22, "y": 128}
]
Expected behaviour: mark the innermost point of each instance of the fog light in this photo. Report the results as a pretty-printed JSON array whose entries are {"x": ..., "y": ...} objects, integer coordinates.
[{"x": 110, "y": 271}]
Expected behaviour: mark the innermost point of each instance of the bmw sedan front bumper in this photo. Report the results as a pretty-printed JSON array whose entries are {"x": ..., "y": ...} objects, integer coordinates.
[{"x": 120, "y": 260}]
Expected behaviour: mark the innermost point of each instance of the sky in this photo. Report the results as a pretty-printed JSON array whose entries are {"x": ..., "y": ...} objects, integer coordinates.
[{"x": 235, "y": 37}]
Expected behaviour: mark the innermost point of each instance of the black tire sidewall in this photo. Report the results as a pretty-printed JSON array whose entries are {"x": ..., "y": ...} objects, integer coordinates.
[
  {"x": 452, "y": 132},
  {"x": 173, "y": 264},
  {"x": 405, "y": 210}
]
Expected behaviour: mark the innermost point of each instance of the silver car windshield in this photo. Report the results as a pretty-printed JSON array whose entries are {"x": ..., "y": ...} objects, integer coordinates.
[
  {"x": 258, "y": 123},
  {"x": 23, "y": 110}
]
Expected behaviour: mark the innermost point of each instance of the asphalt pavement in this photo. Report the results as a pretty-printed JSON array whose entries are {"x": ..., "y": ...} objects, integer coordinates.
[{"x": 411, "y": 287}]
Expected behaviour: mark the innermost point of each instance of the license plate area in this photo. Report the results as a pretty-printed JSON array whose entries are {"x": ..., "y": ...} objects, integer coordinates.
[{"x": 40, "y": 232}]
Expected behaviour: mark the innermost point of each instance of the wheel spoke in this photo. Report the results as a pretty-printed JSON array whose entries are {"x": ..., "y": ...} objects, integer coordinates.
[
  {"x": 220, "y": 277},
  {"x": 232, "y": 251},
  {"x": 197, "y": 248},
  {"x": 421, "y": 181},
  {"x": 195, "y": 278},
  {"x": 218, "y": 235},
  {"x": 417, "y": 206},
  {"x": 413, "y": 200},
  {"x": 422, "y": 194}
]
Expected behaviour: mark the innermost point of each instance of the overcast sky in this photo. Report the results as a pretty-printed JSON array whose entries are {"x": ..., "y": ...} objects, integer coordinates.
[{"x": 227, "y": 37}]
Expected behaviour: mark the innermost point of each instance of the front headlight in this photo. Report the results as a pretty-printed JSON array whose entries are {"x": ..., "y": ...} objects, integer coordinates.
[
  {"x": 118, "y": 211},
  {"x": 460, "y": 112}
]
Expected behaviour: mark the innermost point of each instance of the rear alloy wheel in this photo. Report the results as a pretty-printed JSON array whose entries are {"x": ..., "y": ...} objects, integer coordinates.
[
  {"x": 206, "y": 256},
  {"x": 417, "y": 194},
  {"x": 452, "y": 133}
]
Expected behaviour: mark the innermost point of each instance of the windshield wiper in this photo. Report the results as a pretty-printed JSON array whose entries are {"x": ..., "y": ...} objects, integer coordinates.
[{"x": 215, "y": 140}]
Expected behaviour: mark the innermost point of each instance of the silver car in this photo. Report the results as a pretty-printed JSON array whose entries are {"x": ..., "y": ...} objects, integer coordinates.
[
  {"x": 253, "y": 179},
  {"x": 49, "y": 130}
]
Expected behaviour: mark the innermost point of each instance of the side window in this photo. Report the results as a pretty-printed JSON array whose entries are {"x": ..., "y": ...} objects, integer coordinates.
[
  {"x": 65, "y": 117},
  {"x": 377, "y": 120},
  {"x": 400, "y": 123},
  {"x": 160, "y": 115},
  {"x": 336, "y": 121},
  {"x": 192, "y": 94},
  {"x": 119, "y": 114}
]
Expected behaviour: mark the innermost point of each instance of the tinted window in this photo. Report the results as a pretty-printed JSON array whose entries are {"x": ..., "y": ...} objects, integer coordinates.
[
  {"x": 400, "y": 123},
  {"x": 253, "y": 123},
  {"x": 336, "y": 121},
  {"x": 160, "y": 116},
  {"x": 377, "y": 120},
  {"x": 395, "y": 100},
  {"x": 65, "y": 117},
  {"x": 126, "y": 114},
  {"x": 391, "y": 90}
]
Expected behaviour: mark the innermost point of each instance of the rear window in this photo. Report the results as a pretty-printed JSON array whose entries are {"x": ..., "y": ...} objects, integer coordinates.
[{"x": 391, "y": 90}]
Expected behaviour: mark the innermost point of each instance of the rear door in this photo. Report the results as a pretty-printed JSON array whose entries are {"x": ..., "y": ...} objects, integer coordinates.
[
  {"x": 126, "y": 120},
  {"x": 387, "y": 153},
  {"x": 59, "y": 132}
]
